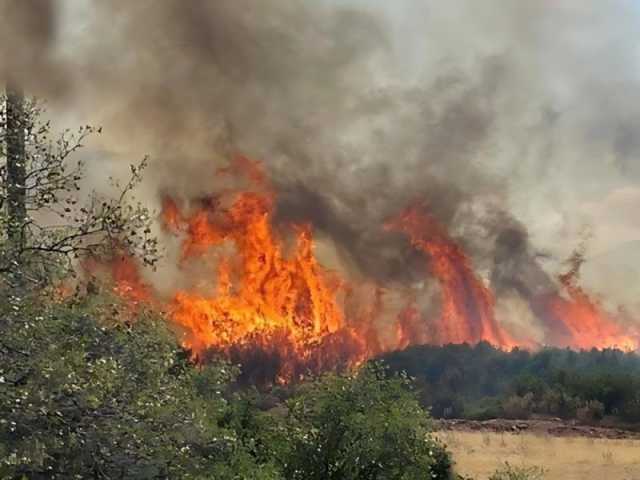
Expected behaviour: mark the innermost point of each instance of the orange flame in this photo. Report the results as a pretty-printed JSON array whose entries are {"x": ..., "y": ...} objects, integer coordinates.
[
  {"x": 263, "y": 297},
  {"x": 467, "y": 304},
  {"x": 125, "y": 274},
  {"x": 171, "y": 218},
  {"x": 270, "y": 305},
  {"x": 586, "y": 323}
]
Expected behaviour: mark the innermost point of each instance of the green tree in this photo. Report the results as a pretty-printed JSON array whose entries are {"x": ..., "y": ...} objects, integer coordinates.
[
  {"x": 364, "y": 426},
  {"x": 81, "y": 397}
]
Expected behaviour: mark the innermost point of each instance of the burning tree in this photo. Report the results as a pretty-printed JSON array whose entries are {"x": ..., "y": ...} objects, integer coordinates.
[{"x": 44, "y": 227}]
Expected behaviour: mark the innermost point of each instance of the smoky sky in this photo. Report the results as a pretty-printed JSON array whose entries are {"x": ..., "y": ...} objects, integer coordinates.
[
  {"x": 502, "y": 117},
  {"x": 27, "y": 31}
]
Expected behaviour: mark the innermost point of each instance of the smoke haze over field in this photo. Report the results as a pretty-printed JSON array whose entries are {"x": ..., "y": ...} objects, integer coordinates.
[{"x": 515, "y": 121}]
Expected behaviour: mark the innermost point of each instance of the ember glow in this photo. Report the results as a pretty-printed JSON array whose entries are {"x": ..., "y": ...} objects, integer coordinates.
[{"x": 268, "y": 303}]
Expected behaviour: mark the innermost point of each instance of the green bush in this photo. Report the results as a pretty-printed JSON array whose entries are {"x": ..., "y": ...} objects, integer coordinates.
[
  {"x": 509, "y": 472},
  {"x": 483, "y": 409},
  {"x": 80, "y": 398},
  {"x": 551, "y": 403},
  {"x": 517, "y": 407},
  {"x": 364, "y": 426}
]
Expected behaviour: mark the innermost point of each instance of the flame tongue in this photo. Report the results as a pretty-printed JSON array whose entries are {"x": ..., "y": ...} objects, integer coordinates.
[
  {"x": 266, "y": 293},
  {"x": 286, "y": 303},
  {"x": 467, "y": 304},
  {"x": 585, "y": 323}
]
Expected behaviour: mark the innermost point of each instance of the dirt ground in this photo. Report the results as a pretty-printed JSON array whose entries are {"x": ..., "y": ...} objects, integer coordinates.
[
  {"x": 541, "y": 426},
  {"x": 479, "y": 453}
]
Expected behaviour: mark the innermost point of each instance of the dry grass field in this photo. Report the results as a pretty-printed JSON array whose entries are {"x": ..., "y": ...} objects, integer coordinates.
[{"x": 478, "y": 454}]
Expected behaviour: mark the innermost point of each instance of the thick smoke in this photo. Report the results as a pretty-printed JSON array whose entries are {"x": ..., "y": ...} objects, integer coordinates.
[
  {"x": 27, "y": 30},
  {"x": 496, "y": 116}
]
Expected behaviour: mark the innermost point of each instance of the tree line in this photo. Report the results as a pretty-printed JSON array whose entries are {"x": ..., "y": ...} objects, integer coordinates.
[{"x": 483, "y": 382}]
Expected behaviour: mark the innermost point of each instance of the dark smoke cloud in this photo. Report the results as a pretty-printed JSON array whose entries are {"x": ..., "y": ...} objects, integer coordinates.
[{"x": 296, "y": 85}]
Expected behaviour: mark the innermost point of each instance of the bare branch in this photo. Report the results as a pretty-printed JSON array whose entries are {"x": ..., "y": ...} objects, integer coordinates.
[{"x": 49, "y": 187}]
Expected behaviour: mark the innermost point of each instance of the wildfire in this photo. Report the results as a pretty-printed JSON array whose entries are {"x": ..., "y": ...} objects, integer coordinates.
[
  {"x": 586, "y": 323},
  {"x": 283, "y": 303},
  {"x": 125, "y": 275},
  {"x": 268, "y": 303},
  {"x": 467, "y": 304}
]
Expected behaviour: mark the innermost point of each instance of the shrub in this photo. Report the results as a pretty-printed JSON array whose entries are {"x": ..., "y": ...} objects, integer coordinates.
[
  {"x": 368, "y": 425},
  {"x": 509, "y": 472},
  {"x": 485, "y": 409},
  {"x": 551, "y": 403},
  {"x": 84, "y": 399},
  {"x": 517, "y": 407},
  {"x": 591, "y": 411},
  {"x": 631, "y": 410}
]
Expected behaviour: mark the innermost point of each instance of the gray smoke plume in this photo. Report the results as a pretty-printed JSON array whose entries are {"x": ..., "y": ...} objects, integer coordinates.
[
  {"x": 497, "y": 116},
  {"x": 27, "y": 30}
]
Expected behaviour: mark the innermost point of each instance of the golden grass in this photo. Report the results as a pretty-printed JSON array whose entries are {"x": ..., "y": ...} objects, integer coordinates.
[{"x": 478, "y": 454}]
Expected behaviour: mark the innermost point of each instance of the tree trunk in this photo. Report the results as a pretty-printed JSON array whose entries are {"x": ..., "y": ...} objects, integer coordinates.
[{"x": 16, "y": 169}]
